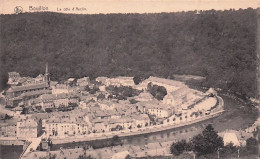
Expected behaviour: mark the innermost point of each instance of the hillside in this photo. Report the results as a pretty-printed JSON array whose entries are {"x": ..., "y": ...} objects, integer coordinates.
[{"x": 219, "y": 45}]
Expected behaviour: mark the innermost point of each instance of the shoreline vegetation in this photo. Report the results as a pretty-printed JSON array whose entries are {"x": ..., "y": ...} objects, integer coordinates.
[{"x": 213, "y": 44}]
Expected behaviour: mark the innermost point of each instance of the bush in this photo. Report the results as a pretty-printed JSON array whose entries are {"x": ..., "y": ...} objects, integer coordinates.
[
  {"x": 179, "y": 147},
  {"x": 252, "y": 145},
  {"x": 156, "y": 91},
  {"x": 122, "y": 92}
]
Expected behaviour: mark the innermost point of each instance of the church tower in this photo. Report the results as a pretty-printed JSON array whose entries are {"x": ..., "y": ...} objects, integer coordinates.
[{"x": 47, "y": 75}]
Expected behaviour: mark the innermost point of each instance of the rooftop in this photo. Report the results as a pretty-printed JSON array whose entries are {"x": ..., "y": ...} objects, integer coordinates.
[
  {"x": 28, "y": 87},
  {"x": 164, "y": 81}
]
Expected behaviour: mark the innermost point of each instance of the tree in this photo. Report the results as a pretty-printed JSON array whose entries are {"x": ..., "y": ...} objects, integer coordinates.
[
  {"x": 133, "y": 101},
  {"x": 228, "y": 150},
  {"x": 179, "y": 147},
  {"x": 25, "y": 110},
  {"x": 128, "y": 157},
  {"x": 208, "y": 142},
  {"x": 252, "y": 145},
  {"x": 137, "y": 79},
  {"x": 7, "y": 117},
  {"x": 85, "y": 157},
  {"x": 101, "y": 97},
  {"x": 3, "y": 77},
  {"x": 116, "y": 140},
  {"x": 87, "y": 88},
  {"x": 156, "y": 91}
]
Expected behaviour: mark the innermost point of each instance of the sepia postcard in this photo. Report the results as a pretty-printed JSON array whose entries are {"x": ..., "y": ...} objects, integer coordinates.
[{"x": 129, "y": 79}]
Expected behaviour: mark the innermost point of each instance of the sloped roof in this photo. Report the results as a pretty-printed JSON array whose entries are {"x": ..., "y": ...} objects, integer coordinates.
[
  {"x": 231, "y": 138},
  {"x": 120, "y": 155},
  {"x": 39, "y": 92},
  {"x": 164, "y": 81},
  {"x": 29, "y": 87}
]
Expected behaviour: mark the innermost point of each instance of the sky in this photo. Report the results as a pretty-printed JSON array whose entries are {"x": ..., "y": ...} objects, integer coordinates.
[{"x": 121, "y": 6}]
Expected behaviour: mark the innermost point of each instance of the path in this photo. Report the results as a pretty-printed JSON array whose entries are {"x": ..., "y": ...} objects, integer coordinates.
[{"x": 35, "y": 142}]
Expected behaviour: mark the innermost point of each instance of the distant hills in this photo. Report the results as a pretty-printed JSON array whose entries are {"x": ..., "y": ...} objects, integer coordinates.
[{"x": 218, "y": 45}]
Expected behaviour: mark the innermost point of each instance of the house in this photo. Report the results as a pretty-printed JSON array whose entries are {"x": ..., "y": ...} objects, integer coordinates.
[
  {"x": 206, "y": 104},
  {"x": 13, "y": 78},
  {"x": 157, "y": 109},
  {"x": 177, "y": 96},
  {"x": 125, "y": 123},
  {"x": 65, "y": 127},
  {"x": 41, "y": 82},
  {"x": 106, "y": 105},
  {"x": 159, "y": 112},
  {"x": 16, "y": 91},
  {"x": 58, "y": 100},
  {"x": 8, "y": 128},
  {"x": 144, "y": 96},
  {"x": 211, "y": 92},
  {"x": 82, "y": 82},
  {"x": 237, "y": 137},
  {"x": 100, "y": 125},
  {"x": 141, "y": 120},
  {"x": 40, "y": 78},
  {"x": 101, "y": 80},
  {"x": 120, "y": 155},
  {"x": 120, "y": 81},
  {"x": 180, "y": 117},
  {"x": 60, "y": 88},
  {"x": 170, "y": 85},
  {"x": 29, "y": 128},
  {"x": 18, "y": 94},
  {"x": 17, "y": 110},
  {"x": 230, "y": 138},
  {"x": 71, "y": 82}
]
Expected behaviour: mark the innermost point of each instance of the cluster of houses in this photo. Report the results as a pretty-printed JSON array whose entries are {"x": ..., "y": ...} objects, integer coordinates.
[{"x": 93, "y": 114}]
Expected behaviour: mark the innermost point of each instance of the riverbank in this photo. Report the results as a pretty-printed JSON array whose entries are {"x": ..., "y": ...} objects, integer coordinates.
[
  {"x": 143, "y": 131},
  {"x": 10, "y": 141}
]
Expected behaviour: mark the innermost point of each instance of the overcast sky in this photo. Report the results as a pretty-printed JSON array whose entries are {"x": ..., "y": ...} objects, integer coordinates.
[{"x": 123, "y": 6}]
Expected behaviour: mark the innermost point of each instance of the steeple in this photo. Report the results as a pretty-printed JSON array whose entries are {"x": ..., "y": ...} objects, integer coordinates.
[
  {"x": 47, "y": 75},
  {"x": 46, "y": 69}
]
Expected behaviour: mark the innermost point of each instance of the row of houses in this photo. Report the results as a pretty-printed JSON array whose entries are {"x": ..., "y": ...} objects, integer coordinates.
[
  {"x": 62, "y": 127},
  {"x": 202, "y": 108},
  {"x": 47, "y": 101},
  {"x": 127, "y": 122},
  {"x": 22, "y": 128}
]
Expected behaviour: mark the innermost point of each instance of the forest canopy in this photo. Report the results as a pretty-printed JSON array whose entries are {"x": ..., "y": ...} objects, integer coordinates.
[{"x": 218, "y": 45}]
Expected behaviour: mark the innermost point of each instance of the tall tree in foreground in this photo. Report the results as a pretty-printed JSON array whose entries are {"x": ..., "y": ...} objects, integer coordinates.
[{"x": 208, "y": 142}]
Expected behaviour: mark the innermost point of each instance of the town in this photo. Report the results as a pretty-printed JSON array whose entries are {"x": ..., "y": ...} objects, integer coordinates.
[{"x": 41, "y": 108}]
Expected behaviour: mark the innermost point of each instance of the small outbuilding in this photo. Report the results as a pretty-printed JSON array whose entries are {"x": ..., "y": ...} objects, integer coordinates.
[{"x": 231, "y": 138}]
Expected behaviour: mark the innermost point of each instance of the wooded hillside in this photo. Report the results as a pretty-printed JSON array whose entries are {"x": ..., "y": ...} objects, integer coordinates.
[{"x": 219, "y": 45}]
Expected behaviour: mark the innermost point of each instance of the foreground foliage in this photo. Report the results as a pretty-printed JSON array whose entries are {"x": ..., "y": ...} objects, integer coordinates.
[{"x": 209, "y": 145}]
